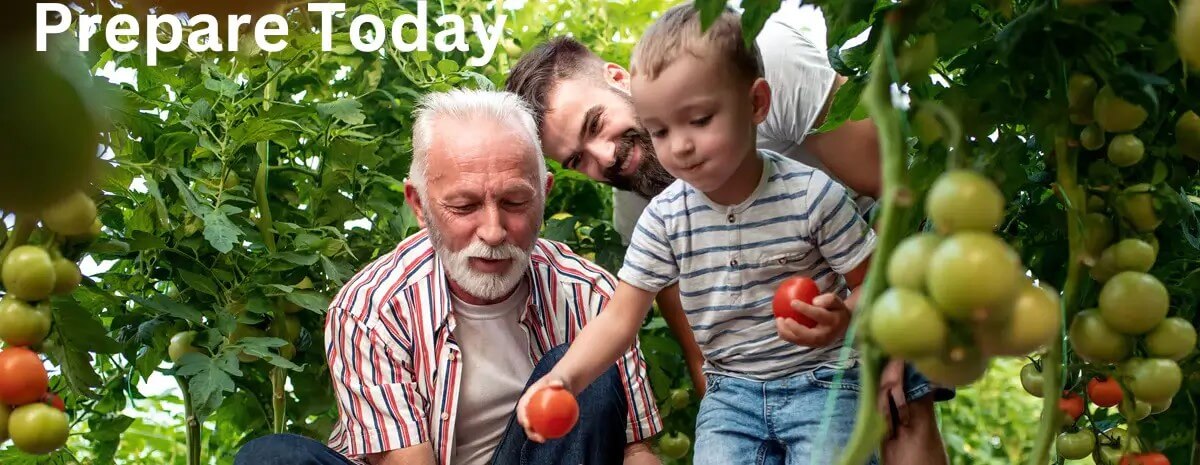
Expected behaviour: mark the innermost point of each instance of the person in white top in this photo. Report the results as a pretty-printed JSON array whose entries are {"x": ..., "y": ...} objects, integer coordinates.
[{"x": 587, "y": 123}]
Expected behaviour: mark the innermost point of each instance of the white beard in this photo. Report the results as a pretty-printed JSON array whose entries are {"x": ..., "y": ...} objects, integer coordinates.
[{"x": 486, "y": 286}]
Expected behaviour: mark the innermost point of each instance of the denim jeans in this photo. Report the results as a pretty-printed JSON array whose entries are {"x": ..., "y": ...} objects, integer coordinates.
[
  {"x": 801, "y": 420},
  {"x": 598, "y": 438}
]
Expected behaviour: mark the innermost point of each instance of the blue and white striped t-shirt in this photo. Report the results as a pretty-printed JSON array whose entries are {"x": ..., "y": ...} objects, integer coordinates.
[{"x": 729, "y": 259}]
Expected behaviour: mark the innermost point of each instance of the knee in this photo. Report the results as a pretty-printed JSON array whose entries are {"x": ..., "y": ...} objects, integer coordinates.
[{"x": 276, "y": 449}]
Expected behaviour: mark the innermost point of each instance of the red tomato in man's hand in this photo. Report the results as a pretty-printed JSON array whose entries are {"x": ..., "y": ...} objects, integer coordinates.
[
  {"x": 798, "y": 288},
  {"x": 552, "y": 412},
  {"x": 23, "y": 378}
]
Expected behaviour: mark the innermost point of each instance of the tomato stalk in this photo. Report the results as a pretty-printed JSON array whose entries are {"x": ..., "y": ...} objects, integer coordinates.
[
  {"x": 1074, "y": 199},
  {"x": 191, "y": 422},
  {"x": 278, "y": 399},
  {"x": 895, "y": 200},
  {"x": 263, "y": 149}
]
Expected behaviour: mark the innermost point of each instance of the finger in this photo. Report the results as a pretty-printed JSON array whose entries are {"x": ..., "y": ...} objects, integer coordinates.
[
  {"x": 820, "y": 315},
  {"x": 829, "y": 302},
  {"x": 799, "y": 334},
  {"x": 901, "y": 404}
]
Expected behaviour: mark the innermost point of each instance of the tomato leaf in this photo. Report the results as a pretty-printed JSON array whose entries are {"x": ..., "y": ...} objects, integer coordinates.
[
  {"x": 754, "y": 16},
  {"x": 76, "y": 365},
  {"x": 311, "y": 300},
  {"x": 165, "y": 305},
  {"x": 346, "y": 110},
  {"x": 845, "y": 101},
  {"x": 209, "y": 379},
  {"x": 80, "y": 330},
  {"x": 220, "y": 232},
  {"x": 198, "y": 282}
]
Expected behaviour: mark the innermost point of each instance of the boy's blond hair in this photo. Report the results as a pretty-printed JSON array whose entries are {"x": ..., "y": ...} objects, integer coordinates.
[{"x": 678, "y": 32}]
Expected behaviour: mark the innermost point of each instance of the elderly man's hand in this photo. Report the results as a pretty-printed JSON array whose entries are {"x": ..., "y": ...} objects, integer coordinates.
[{"x": 551, "y": 380}]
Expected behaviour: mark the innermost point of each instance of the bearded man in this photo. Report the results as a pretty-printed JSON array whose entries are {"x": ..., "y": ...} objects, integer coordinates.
[{"x": 431, "y": 346}]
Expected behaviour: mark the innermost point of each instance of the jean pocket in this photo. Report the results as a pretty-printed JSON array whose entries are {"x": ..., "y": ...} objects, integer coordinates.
[
  {"x": 712, "y": 382},
  {"x": 845, "y": 379}
]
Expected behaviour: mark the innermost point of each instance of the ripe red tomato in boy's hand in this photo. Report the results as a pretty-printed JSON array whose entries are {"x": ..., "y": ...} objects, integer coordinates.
[
  {"x": 798, "y": 288},
  {"x": 552, "y": 412}
]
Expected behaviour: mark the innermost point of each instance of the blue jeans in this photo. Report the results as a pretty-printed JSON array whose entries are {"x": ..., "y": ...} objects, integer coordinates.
[
  {"x": 801, "y": 420},
  {"x": 598, "y": 438}
]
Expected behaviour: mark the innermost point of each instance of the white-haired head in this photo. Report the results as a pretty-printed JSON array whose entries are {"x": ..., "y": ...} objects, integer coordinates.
[{"x": 471, "y": 105}]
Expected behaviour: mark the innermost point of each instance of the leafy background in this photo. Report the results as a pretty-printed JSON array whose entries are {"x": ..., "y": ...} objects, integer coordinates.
[{"x": 202, "y": 146}]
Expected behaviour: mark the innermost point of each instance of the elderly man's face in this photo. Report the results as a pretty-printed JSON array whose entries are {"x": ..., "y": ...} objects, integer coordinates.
[{"x": 482, "y": 205}]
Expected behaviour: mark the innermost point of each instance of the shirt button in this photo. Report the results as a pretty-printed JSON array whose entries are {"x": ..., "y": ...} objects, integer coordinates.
[
  {"x": 731, "y": 218},
  {"x": 733, "y": 263},
  {"x": 451, "y": 356},
  {"x": 445, "y": 416}
]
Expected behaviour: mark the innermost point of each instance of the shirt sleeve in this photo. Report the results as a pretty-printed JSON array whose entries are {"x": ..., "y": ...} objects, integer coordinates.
[
  {"x": 380, "y": 407},
  {"x": 841, "y": 234},
  {"x": 649, "y": 262},
  {"x": 799, "y": 75}
]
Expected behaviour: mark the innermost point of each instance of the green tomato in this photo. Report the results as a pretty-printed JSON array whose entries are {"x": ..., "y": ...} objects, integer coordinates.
[
  {"x": 1126, "y": 150},
  {"x": 675, "y": 445},
  {"x": 66, "y": 276},
  {"x": 963, "y": 200},
  {"x": 1172, "y": 339},
  {"x": 1075, "y": 446},
  {"x": 1115, "y": 114},
  {"x": 1032, "y": 380},
  {"x": 1091, "y": 137},
  {"x": 1110, "y": 452},
  {"x": 38, "y": 428},
  {"x": 1098, "y": 233},
  {"x": 970, "y": 271},
  {"x": 906, "y": 325},
  {"x": 1136, "y": 205},
  {"x": 916, "y": 59},
  {"x": 1155, "y": 380},
  {"x": 1081, "y": 91},
  {"x": 289, "y": 331},
  {"x": 28, "y": 273},
  {"x": 910, "y": 260},
  {"x": 968, "y": 368},
  {"x": 244, "y": 331},
  {"x": 1136, "y": 411},
  {"x": 1131, "y": 255},
  {"x": 181, "y": 344},
  {"x": 1187, "y": 33},
  {"x": 71, "y": 216},
  {"x": 1133, "y": 303},
  {"x": 679, "y": 398},
  {"x": 1187, "y": 134},
  {"x": 928, "y": 128},
  {"x": 1032, "y": 323},
  {"x": 1094, "y": 341},
  {"x": 21, "y": 324},
  {"x": 1160, "y": 407}
]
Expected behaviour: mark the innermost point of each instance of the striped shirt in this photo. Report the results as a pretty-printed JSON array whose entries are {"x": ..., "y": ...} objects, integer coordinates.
[
  {"x": 729, "y": 259},
  {"x": 396, "y": 367}
]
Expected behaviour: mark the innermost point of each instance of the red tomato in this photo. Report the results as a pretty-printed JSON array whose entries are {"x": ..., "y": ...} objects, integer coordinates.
[
  {"x": 23, "y": 379},
  {"x": 798, "y": 288},
  {"x": 1104, "y": 392},
  {"x": 54, "y": 401},
  {"x": 1149, "y": 458},
  {"x": 1071, "y": 405},
  {"x": 552, "y": 412}
]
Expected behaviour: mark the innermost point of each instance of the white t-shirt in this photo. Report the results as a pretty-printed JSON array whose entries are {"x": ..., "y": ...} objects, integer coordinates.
[
  {"x": 800, "y": 78},
  {"x": 496, "y": 366}
]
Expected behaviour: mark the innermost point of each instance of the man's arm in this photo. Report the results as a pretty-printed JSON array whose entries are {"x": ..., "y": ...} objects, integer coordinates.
[
  {"x": 420, "y": 454},
  {"x": 850, "y": 152},
  {"x": 672, "y": 311}
]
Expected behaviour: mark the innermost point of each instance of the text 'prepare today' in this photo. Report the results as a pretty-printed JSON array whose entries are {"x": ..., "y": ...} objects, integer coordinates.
[{"x": 368, "y": 33}]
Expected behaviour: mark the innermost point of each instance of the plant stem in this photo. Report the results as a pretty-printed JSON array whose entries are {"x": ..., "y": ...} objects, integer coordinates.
[
  {"x": 278, "y": 399},
  {"x": 894, "y": 203},
  {"x": 1074, "y": 199},
  {"x": 192, "y": 424},
  {"x": 263, "y": 148}
]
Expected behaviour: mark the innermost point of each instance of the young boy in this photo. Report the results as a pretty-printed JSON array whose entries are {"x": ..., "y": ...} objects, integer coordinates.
[{"x": 736, "y": 223}]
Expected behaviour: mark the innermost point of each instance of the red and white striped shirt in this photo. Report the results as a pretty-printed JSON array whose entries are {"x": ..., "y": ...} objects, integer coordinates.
[{"x": 395, "y": 365}]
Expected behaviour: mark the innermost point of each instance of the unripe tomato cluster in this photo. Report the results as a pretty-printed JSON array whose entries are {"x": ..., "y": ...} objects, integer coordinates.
[
  {"x": 31, "y": 416},
  {"x": 959, "y": 295}
]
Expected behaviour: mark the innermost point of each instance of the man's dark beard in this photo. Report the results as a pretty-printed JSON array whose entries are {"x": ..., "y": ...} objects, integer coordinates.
[{"x": 650, "y": 178}]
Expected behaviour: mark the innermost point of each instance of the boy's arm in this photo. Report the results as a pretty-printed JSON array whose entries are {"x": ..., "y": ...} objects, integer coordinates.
[
  {"x": 601, "y": 343},
  {"x": 672, "y": 311}
]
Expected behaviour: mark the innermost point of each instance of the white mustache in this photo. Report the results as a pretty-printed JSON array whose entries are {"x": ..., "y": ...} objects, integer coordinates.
[{"x": 478, "y": 249}]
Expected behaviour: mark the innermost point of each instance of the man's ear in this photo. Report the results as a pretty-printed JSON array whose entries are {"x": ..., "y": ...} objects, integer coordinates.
[
  {"x": 413, "y": 199},
  {"x": 549, "y": 183},
  {"x": 760, "y": 98},
  {"x": 616, "y": 76}
]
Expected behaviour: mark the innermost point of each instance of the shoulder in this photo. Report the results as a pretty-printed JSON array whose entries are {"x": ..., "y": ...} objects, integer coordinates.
[
  {"x": 789, "y": 171},
  {"x": 675, "y": 194},
  {"x": 381, "y": 280},
  {"x": 785, "y": 39}
]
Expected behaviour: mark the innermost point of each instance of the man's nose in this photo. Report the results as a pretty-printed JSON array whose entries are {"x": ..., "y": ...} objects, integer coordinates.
[
  {"x": 492, "y": 231},
  {"x": 602, "y": 152}
]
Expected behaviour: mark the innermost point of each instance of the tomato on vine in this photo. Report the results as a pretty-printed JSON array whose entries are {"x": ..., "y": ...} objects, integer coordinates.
[
  {"x": 71, "y": 216},
  {"x": 1133, "y": 409},
  {"x": 28, "y": 273},
  {"x": 1155, "y": 379},
  {"x": 1094, "y": 341},
  {"x": 1126, "y": 150},
  {"x": 964, "y": 200},
  {"x": 25, "y": 378},
  {"x": 1133, "y": 303},
  {"x": 1172, "y": 339},
  {"x": 905, "y": 324},
  {"x": 970, "y": 271},
  {"x": 1104, "y": 391},
  {"x": 910, "y": 261},
  {"x": 21, "y": 324},
  {"x": 181, "y": 344},
  {"x": 1032, "y": 380},
  {"x": 1187, "y": 135},
  {"x": 1116, "y": 114},
  {"x": 38, "y": 428},
  {"x": 675, "y": 445},
  {"x": 1071, "y": 405},
  {"x": 1075, "y": 445},
  {"x": 1149, "y": 458},
  {"x": 1136, "y": 205}
]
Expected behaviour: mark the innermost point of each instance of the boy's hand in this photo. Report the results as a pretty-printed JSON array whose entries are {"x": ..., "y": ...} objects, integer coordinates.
[
  {"x": 891, "y": 392},
  {"x": 830, "y": 313},
  {"x": 550, "y": 380}
]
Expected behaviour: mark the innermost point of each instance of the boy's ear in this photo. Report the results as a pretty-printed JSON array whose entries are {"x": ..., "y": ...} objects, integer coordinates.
[
  {"x": 760, "y": 98},
  {"x": 616, "y": 76}
]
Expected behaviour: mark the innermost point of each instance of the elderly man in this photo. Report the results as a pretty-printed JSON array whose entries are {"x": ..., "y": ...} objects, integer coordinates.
[
  {"x": 431, "y": 345},
  {"x": 588, "y": 123}
]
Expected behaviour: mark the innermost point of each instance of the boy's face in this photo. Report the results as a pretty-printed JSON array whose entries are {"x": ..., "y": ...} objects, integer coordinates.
[{"x": 701, "y": 118}]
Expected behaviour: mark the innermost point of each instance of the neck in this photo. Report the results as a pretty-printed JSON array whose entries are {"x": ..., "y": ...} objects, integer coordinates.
[
  {"x": 464, "y": 296},
  {"x": 742, "y": 183}
]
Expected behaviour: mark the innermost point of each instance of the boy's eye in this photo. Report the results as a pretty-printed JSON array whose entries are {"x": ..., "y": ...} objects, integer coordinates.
[{"x": 702, "y": 121}]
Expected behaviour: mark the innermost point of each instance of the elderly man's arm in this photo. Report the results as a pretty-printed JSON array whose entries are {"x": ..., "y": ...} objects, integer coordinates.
[{"x": 420, "y": 454}]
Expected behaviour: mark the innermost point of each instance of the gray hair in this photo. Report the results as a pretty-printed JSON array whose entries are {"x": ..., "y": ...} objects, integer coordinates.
[{"x": 466, "y": 105}]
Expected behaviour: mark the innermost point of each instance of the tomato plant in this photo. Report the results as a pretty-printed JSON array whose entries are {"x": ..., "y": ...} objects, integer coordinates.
[
  {"x": 552, "y": 412},
  {"x": 800, "y": 288},
  {"x": 24, "y": 379},
  {"x": 1071, "y": 405},
  {"x": 1076, "y": 445},
  {"x": 1104, "y": 392}
]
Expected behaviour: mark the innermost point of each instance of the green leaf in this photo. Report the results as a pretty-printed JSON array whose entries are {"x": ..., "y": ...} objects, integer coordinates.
[
  {"x": 224, "y": 87},
  {"x": 754, "y": 16},
  {"x": 198, "y": 282},
  {"x": 165, "y": 305},
  {"x": 447, "y": 66},
  {"x": 844, "y": 103},
  {"x": 209, "y": 380},
  {"x": 346, "y": 110},
  {"x": 254, "y": 130},
  {"x": 174, "y": 143},
  {"x": 262, "y": 347},
  {"x": 200, "y": 113},
  {"x": 189, "y": 198},
  {"x": 76, "y": 365},
  {"x": 81, "y": 330},
  {"x": 298, "y": 259},
  {"x": 311, "y": 300},
  {"x": 220, "y": 232},
  {"x": 709, "y": 11}
]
